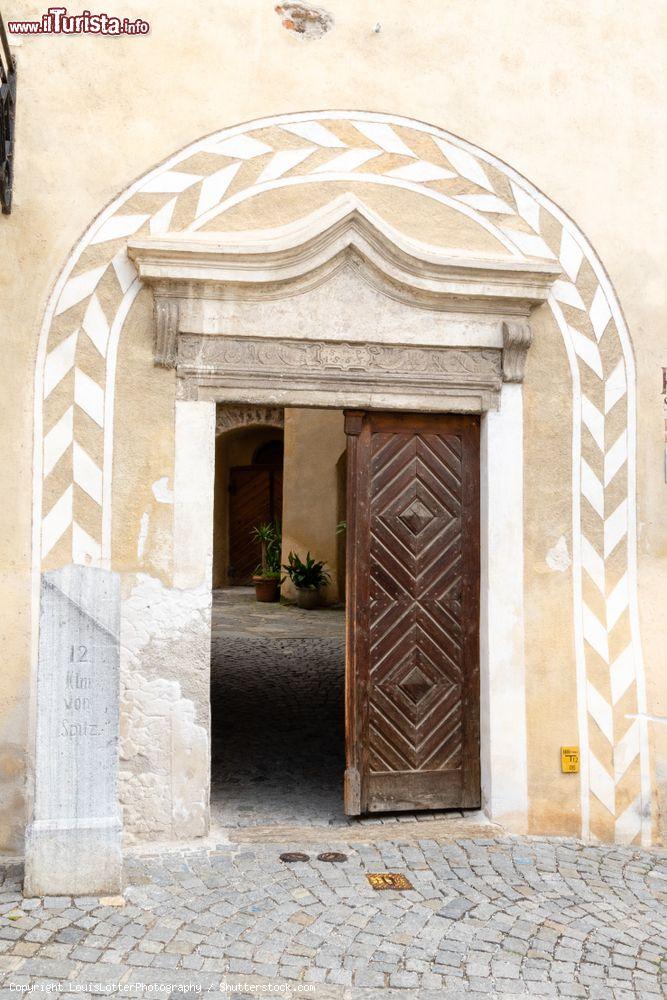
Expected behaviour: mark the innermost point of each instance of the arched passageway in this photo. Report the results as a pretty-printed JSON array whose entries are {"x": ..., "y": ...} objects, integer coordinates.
[{"x": 277, "y": 672}]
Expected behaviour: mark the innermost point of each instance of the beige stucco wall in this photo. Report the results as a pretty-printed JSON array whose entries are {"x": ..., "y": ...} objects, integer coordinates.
[
  {"x": 537, "y": 83},
  {"x": 314, "y": 442}
]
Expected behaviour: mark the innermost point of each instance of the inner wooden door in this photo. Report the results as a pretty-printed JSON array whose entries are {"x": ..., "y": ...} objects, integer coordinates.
[
  {"x": 412, "y": 689},
  {"x": 255, "y": 497}
]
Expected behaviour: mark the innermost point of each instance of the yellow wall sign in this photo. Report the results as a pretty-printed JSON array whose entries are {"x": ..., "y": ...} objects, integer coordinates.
[{"x": 569, "y": 760}]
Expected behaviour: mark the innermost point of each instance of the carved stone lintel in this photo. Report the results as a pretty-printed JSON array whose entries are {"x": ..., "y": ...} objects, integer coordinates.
[
  {"x": 166, "y": 312},
  {"x": 230, "y": 417},
  {"x": 281, "y": 372},
  {"x": 278, "y": 358},
  {"x": 517, "y": 337}
]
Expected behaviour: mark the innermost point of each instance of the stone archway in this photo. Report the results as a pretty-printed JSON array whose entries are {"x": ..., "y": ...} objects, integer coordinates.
[
  {"x": 98, "y": 286},
  {"x": 230, "y": 417}
]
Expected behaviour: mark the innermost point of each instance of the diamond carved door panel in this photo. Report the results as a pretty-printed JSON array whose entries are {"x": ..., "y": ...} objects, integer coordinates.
[{"x": 413, "y": 612}]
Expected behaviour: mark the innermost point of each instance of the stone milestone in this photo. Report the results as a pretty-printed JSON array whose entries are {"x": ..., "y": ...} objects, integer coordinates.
[{"x": 74, "y": 839}]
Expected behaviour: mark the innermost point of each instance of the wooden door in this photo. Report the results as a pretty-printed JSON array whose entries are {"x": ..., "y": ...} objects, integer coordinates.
[
  {"x": 412, "y": 711},
  {"x": 255, "y": 497}
]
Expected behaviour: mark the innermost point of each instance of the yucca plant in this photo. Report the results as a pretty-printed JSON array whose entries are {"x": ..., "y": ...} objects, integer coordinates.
[{"x": 270, "y": 538}]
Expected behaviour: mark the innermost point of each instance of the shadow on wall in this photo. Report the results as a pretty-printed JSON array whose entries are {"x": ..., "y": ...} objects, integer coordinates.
[{"x": 314, "y": 442}]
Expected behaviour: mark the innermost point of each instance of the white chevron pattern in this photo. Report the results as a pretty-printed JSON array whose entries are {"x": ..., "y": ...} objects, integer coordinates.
[
  {"x": 89, "y": 396},
  {"x": 58, "y": 440},
  {"x": 85, "y": 550},
  {"x": 601, "y": 467},
  {"x": 79, "y": 288},
  {"x": 170, "y": 182},
  {"x": 571, "y": 255},
  {"x": 317, "y": 133},
  {"x": 348, "y": 161},
  {"x": 59, "y": 362},
  {"x": 622, "y": 674},
  {"x": 384, "y": 136},
  {"x": 118, "y": 226},
  {"x": 124, "y": 270},
  {"x": 86, "y": 473},
  {"x": 213, "y": 188},
  {"x": 284, "y": 160},
  {"x": 57, "y": 521},
  {"x": 95, "y": 325}
]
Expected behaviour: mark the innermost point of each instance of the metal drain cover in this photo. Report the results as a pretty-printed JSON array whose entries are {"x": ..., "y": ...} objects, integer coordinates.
[
  {"x": 389, "y": 880},
  {"x": 294, "y": 856},
  {"x": 332, "y": 856}
]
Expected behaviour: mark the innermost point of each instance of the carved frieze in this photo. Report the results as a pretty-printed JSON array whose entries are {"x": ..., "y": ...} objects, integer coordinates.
[{"x": 245, "y": 355}]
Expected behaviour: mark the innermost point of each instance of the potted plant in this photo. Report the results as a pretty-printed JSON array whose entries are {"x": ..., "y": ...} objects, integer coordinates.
[
  {"x": 308, "y": 577},
  {"x": 266, "y": 577}
]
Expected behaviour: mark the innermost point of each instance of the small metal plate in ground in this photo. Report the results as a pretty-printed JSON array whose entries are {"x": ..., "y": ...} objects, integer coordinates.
[
  {"x": 389, "y": 880},
  {"x": 294, "y": 856},
  {"x": 332, "y": 856}
]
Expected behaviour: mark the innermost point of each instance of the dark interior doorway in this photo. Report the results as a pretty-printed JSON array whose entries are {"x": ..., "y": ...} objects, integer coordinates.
[{"x": 248, "y": 492}]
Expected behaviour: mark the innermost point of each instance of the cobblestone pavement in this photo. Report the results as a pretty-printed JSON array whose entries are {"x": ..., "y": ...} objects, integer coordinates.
[
  {"x": 488, "y": 916},
  {"x": 504, "y": 917},
  {"x": 277, "y": 688},
  {"x": 277, "y": 697}
]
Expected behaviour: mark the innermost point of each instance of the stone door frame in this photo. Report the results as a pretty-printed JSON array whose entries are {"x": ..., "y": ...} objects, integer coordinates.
[{"x": 217, "y": 324}]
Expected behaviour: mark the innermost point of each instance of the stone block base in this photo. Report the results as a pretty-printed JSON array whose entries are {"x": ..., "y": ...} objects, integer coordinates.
[{"x": 76, "y": 858}]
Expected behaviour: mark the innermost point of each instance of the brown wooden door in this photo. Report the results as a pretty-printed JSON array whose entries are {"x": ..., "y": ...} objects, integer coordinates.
[
  {"x": 413, "y": 612},
  {"x": 255, "y": 497}
]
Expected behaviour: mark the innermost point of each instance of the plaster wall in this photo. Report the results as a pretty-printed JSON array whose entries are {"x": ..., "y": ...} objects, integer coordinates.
[
  {"x": 314, "y": 441},
  {"x": 537, "y": 83}
]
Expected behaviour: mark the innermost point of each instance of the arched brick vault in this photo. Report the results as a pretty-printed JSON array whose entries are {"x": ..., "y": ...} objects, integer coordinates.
[
  {"x": 231, "y": 417},
  {"x": 84, "y": 319}
]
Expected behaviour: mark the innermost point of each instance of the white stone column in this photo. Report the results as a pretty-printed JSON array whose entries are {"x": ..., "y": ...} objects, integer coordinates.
[
  {"x": 502, "y": 661},
  {"x": 194, "y": 483}
]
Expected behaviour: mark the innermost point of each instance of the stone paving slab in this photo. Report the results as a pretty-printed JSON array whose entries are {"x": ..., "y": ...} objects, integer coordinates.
[
  {"x": 236, "y": 612},
  {"x": 492, "y": 916},
  {"x": 437, "y": 826}
]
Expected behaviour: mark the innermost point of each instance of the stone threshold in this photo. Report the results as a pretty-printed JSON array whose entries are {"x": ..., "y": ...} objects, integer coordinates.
[{"x": 369, "y": 833}]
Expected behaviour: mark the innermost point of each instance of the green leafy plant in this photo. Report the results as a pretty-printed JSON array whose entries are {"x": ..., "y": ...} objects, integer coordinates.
[
  {"x": 269, "y": 536},
  {"x": 308, "y": 575}
]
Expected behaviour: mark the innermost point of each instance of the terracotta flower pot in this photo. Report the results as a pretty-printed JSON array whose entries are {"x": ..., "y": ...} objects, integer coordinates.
[
  {"x": 307, "y": 597},
  {"x": 267, "y": 589}
]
